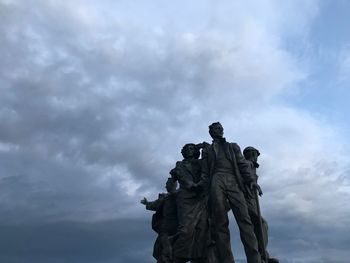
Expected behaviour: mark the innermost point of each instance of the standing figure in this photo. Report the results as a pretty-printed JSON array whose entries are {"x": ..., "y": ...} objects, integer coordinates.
[
  {"x": 229, "y": 172},
  {"x": 191, "y": 241},
  {"x": 260, "y": 229},
  {"x": 164, "y": 222}
]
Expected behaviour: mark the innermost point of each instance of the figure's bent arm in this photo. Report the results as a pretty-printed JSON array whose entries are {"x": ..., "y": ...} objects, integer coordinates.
[
  {"x": 154, "y": 205},
  {"x": 204, "y": 182},
  {"x": 243, "y": 165}
]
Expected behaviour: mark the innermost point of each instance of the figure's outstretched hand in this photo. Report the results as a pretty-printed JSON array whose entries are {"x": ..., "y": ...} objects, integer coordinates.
[
  {"x": 254, "y": 185},
  {"x": 144, "y": 201}
]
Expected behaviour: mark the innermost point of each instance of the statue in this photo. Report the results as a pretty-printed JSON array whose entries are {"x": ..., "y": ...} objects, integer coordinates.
[
  {"x": 229, "y": 174},
  {"x": 164, "y": 222},
  {"x": 192, "y": 221},
  {"x": 260, "y": 225},
  {"x": 192, "y": 235}
]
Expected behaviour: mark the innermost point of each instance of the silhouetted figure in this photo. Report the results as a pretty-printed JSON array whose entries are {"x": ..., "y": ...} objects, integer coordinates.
[
  {"x": 164, "y": 222},
  {"x": 192, "y": 236},
  {"x": 229, "y": 172},
  {"x": 261, "y": 230}
]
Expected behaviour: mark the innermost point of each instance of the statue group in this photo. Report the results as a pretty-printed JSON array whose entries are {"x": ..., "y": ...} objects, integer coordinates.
[{"x": 192, "y": 220}]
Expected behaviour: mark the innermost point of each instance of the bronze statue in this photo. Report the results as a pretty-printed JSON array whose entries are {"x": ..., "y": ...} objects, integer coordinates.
[
  {"x": 192, "y": 221},
  {"x": 260, "y": 225},
  {"x": 229, "y": 173},
  {"x": 164, "y": 222},
  {"x": 192, "y": 235}
]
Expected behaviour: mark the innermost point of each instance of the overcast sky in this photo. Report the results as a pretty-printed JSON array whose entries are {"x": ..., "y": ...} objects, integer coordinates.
[{"x": 98, "y": 97}]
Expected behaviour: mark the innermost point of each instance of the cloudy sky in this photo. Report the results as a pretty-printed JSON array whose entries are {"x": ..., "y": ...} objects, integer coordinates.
[{"x": 98, "y": 97}]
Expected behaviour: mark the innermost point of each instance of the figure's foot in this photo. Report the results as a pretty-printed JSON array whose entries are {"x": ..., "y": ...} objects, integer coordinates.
[{"x": 273, "y": 260}]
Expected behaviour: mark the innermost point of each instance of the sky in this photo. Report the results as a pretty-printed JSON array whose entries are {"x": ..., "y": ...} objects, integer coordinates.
[{"x": 98, "y": 97}]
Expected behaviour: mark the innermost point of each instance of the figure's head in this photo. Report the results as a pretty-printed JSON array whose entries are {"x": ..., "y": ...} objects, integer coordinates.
[
  {"x": 190, "y": 151},
  {"x": 216, "y": 130},
  {"x": 170, "y": 185},
  {"x": 251, "y": 154},
  {"x": 173, "y": 173}
]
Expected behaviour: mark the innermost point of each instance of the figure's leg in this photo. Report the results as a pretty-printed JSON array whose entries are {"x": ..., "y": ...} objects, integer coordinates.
[
  {"x": 185, "y": 242},
  {"x": 253, "y": 213},
  {"x": 211, "y": 255},
  {"x": 167, "y": 250},
  {"x": 265, "y": 232},
  {"x": 221, "y": 233},
  {"x": 266, "y": 239},
  {"x": 240, "y": 210},
  {"x": 157, "y": 248},
  {"x": 261, "y": 234},
  {"x": 201, "y": 230}
]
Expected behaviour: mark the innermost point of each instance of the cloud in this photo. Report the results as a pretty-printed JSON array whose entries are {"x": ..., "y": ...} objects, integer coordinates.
[
  {"x": 343, "y": 65},
  {"x": 72, "y": 242},
  {"x": 129, "y": 240},
  {"x": 95, "y": 109}
]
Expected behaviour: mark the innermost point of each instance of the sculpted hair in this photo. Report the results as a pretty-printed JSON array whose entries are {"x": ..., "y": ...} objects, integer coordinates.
[
  {"x": 196, "y": 150},
  {"x": 211, "y": 126},
  {"x": 248, "y": 150}
]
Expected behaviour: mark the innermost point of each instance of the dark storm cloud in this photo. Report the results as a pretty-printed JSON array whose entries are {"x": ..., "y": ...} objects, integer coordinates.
[
  {"x": 105, "y": 242},
  {"x": 131, "y": 241}
]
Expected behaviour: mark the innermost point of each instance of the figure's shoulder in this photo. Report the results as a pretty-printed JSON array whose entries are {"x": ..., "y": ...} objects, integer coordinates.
[
  {"x": 179, "y": 164},
  {"x": 172, "y": 196},
  {"x": 235, "y": 146},
  {"x": 162, "y": 195}
]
